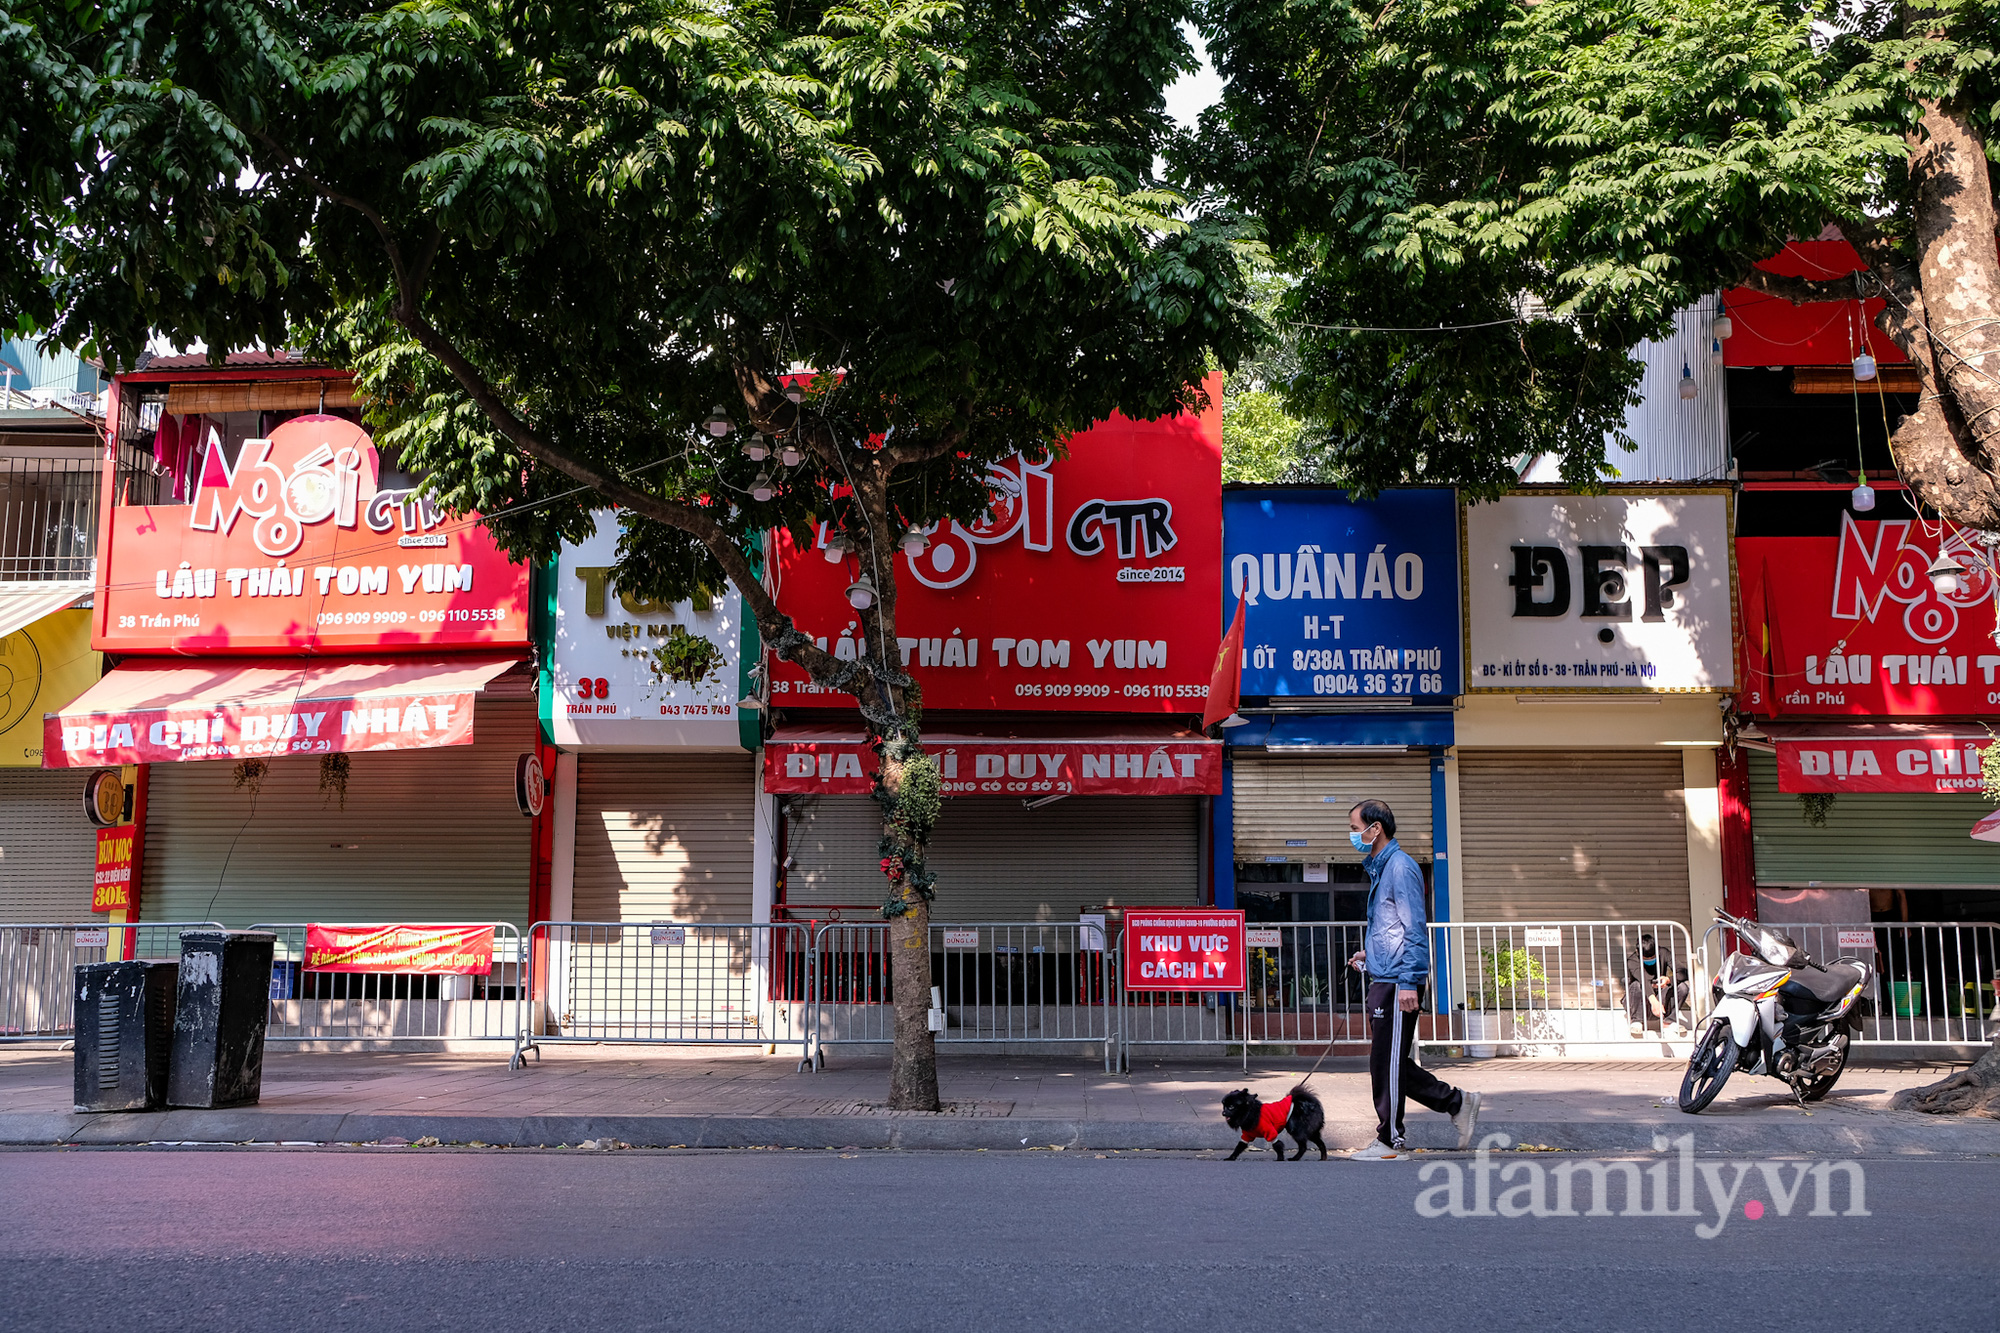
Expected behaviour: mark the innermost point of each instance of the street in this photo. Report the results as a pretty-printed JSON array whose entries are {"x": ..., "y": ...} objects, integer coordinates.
[{"x": 409, "y": 1238}]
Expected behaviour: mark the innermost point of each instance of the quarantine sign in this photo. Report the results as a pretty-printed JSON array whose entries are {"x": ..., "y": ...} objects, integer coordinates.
[
  {"x": 111, "y": 887},
  {"x": 412, "y": 949},
  {"x": 1184, "y": 948}
]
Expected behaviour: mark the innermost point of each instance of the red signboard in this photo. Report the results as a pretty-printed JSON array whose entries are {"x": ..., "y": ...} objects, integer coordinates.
[
  {"x": 1851, "y": 623},
  {"x": 1121, "y": 767},
  {"x": 111, "y": 889},
  {"x": 1184, "y": 948},
  {"x": 1918, "y": 763},
  {"x": 296, "y": 547},
  {"x": 1771, "y": 331},
  {"x": 1092, "y": 587},
  {"x": 168, "y": 735},
  {"x": 415, "y": 949}
]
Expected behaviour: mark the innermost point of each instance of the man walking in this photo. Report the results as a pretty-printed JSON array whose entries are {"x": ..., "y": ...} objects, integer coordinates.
[{"x": 1396, "y": 955}]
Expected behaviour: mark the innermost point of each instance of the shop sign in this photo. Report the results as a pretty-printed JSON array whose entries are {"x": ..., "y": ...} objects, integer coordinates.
[
  {"x": 233, "y": 731},
  {"x": 1629, "y": 591},
  {"x": 1009, "y": 768},
  {"x": 43, "y": 666},
  {"x": 1345, "y": 598},
  {"x": 1852, "y": 623},
  {"x": 958, "y": 938},
  {"x": 466, "y": 950},
  {"x": 111, "y": 889},
  {"x": 297, "y": 548},
  {"x": 1184, "y": 949},
  {"x": 1092, "y": 586},
  {"x": 608, "y": 692},
  {"x": 1900, "y": 764}
]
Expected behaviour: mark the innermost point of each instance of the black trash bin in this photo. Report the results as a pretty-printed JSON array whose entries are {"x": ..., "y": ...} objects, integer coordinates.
[
  {"x": 124, "y": 1029},
  {"x": 219, "y": 1020}
]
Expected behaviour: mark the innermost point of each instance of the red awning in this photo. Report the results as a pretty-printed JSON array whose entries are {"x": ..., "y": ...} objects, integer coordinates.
[
  {"x": 1877, "y": 756},
  {"x": 170, "y": 709},
  {"x": 1127, "y": 760}
]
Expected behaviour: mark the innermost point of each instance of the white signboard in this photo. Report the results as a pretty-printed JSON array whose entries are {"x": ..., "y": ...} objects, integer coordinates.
[
  {"x": 1263, "y": 937},
  {"x": 1856, "y": 939},
  {"x": 961, "y": 939},
  {"x": 92, "y": 939},
  {"x": 1629, "y": 591},
  {"x": 608, "y": 695},
  {"x": 1543, "y": 937}
]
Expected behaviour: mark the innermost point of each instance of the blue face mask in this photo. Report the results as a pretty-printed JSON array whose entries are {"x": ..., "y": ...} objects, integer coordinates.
[{"x": 1362, "y": 842}]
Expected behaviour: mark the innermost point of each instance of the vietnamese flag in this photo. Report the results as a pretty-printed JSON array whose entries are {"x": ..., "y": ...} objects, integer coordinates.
[{"x": 1225, "y": 684}]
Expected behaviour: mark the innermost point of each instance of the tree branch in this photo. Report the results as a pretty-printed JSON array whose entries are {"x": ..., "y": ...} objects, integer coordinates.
[{"x": 1800, "y": 291}]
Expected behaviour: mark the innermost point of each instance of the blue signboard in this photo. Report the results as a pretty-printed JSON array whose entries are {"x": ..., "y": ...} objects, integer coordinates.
[{"x": 1345, "y": 599}]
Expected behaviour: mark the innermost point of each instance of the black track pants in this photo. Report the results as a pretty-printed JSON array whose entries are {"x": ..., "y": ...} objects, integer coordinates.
[{"x": 1392, "y": 1066}]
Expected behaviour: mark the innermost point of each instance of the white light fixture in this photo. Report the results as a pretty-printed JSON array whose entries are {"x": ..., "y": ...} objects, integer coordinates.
[
  {"x": 1864, "y": 367},
  {"x": 1946, "y": 575},
  {"x": 1724, "y": 326},
  {"x": 1715, "y": 351},
  {"x": 1863, "y": 498},
  {"x": 718, "y": 423},
  {"x": 861, "y": 593},
  {"x": 915, "y": 543},
  {"x": 1688, "y": 389},
  {"x": 757, "y": 448},
  {"x": 836, "y": 548},
  {"x": 790, "y": 454},
  {"x": 762, "y": 489},
  {"x": 750, "y": 703},
  {"x": 1235, "y": 720},
  {"x": 796, "y": 391}
]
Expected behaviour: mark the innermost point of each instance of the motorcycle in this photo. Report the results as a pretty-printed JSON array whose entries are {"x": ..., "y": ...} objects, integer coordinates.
[{"x": 1778, "y": 1013}]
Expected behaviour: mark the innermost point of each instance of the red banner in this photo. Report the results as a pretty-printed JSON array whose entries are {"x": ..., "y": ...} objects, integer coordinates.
[
  {"x": 1012, "y": 767},
  {"x": 1184, "y": 949},
  {"x": 1092, "y": 587},
  {"x": 1851, "y": 623},
  {"x": 296, "y": 547},
  {"x": 346, "y": 726},
  {"x": 111, "y": 889},
  {"x": 415, "y": 949},
  {"x": 1904, "y": 764},
  {"x": 1771, "y": 331}
]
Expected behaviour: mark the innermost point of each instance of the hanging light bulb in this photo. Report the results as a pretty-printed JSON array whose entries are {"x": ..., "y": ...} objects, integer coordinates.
[
  {"x": 1715, "y": 351},
  {"x": 790, "y": 454},
  {"x": 836, "y": 548},
  {"x": 1863, "y": 498},
  {"x": 1947, "y": 575},
  {"x": 718, "y": 423},
  {"x": 762, "y": 489},
  {"x": 757, "y": 448},
  {"x": 1688, "y": 389},
  {"x": 1864, "y": 367},
  {"x": 796, "y": 391},
  {"x": 915, "y": 543},
  {"x": 1724, "y": 327},
  {"x": 861, "y": 593},
  {"x": 750, "y": 703}
]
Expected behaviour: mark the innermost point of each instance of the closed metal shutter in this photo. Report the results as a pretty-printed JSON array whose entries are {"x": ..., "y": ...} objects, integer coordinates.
[
  {"x": 1292, "y": 807},
  {"x": 1559, "y": 836},
  {"x": 48, "y": 847},
  {"x": 426, "y": 835},
  {"x": 1911, "y": 840},
  {"x": 998, "y": 861},
  {"x": 664, "y": 837}
]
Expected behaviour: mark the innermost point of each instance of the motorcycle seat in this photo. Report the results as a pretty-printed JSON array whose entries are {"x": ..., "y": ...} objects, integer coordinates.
[{"x": 1828, "y": 985}]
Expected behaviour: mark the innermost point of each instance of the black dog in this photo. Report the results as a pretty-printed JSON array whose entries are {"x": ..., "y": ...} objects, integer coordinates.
[{"x": 1298, "y": 1114}]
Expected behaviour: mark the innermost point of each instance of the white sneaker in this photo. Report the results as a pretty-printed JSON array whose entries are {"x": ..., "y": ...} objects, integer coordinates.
[
  {"x": 1638, "y": 1029},
  {"x": 1377, "y": 1151},
  {"x": 1466, "y": 1122}
]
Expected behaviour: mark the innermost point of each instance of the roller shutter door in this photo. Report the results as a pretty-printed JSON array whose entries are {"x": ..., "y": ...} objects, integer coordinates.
[
  {"x": 426, "y": 835},
  {"x": 1559, "y": 837},
  {"x": 1294, "y": 807},
  {"x": 998, "y": 861},
  {"x": 48, "y": 848},
  {"x": 664, "y": 837},
  {"x": 1912, "y": 840}
]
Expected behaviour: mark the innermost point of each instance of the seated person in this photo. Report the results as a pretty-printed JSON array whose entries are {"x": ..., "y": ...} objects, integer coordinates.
[{"x": 1653, "y": 986}]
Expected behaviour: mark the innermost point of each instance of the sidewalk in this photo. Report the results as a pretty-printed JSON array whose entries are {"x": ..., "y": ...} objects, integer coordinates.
[{"x": 726, "y": 1100}]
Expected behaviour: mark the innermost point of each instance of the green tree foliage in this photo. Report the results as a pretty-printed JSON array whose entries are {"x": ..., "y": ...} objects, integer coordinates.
[
  {"x": 1260, "y": 442},
  {"x": 1550, "y": 182}
]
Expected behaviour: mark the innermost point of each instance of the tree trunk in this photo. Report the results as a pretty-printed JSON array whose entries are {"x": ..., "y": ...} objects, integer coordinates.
[
  {"x": 907, "y": 816},
  {"x": 1974, "y": 1091}
]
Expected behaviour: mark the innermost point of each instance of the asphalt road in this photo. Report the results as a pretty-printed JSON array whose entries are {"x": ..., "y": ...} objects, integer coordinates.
[{"x": 403, "y": 1239}]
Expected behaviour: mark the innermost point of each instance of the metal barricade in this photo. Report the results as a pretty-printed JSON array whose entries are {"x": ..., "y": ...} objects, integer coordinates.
[
  {"x": 38, "y": 965},
  {"x": 1558, "y": 988},
  {"x": 667, "y": 983},
  {"x": 1934, "y": 979},
  {"x": 372, "y": 1010},
  {"x": 1006, "y": 986}
]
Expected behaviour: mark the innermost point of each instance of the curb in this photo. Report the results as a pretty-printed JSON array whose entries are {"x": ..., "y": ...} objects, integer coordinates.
[{"x": 1885, "y": 1135}]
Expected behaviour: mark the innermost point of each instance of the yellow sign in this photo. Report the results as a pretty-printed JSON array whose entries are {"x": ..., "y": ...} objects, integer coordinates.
[{"x": 42, "y": 668}]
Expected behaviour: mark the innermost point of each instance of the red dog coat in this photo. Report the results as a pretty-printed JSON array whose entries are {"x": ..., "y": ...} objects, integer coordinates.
[{"x": 1270, "y": 1121}]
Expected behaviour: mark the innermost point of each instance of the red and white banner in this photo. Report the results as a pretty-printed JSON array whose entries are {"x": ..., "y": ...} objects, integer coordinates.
[
  {"x": 1010, "y": 767},
  {"x": 1092, "y": 586},
  {"x": 235, "y": 731},
  {"x": 111, "y": 888},
  {"x": 413, "y": 949},
  {"x": 1184, "y": 949},
  {"x": 1942, "y": 763},
  {"x": 1851, "y": 623}
]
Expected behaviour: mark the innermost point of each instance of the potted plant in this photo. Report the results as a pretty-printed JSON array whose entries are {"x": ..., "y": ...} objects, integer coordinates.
[
  {"x": 1509, "y": 981},
  {"x": 1312, "y": 990}
]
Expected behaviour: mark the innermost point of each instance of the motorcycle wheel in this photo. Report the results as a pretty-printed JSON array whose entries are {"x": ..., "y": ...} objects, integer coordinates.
[
  {"x": 1822, "y": 1084},
  {"x": 1713, "y": 1061}
]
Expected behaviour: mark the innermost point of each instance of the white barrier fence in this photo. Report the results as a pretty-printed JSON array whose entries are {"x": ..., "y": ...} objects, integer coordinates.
[{"x": 38, "y": 968}]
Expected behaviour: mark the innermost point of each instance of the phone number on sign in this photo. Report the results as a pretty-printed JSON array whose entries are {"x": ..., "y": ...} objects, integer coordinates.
[{"x": 1033, "y": 691}]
